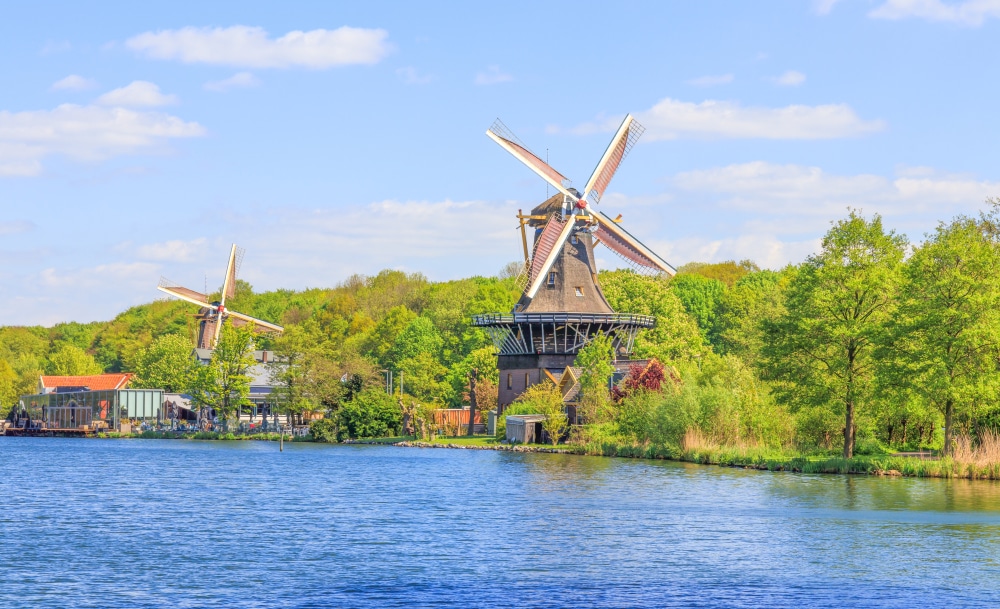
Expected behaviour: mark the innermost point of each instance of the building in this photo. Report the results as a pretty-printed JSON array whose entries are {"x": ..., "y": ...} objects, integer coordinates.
[{"x": 541, "y": 338}]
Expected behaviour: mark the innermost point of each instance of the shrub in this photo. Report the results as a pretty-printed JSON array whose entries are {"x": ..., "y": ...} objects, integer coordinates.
[
  {"x": 370, "y": 414},
  {"x": 324, "y": 430}
]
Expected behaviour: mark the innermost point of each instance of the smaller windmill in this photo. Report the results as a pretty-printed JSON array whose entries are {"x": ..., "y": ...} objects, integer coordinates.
[{"x": 214, "y": 314}]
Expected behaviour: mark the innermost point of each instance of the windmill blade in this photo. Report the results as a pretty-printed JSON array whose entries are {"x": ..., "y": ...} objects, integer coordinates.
[
  {"x": 185, "y": 294},
  {"x": 220, "y": 321},
  {"x": 618, "y": 240},
  {"x": 500, "y": 134},
  {"x": 229, "y": 286},
  {"x": 260, "y": 323},
  {"x": 557, "y": 245},
  {"x": 623, "y": 141}
]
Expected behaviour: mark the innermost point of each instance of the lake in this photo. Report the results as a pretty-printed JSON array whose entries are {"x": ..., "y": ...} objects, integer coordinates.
[{"x": 181, "y": 523}]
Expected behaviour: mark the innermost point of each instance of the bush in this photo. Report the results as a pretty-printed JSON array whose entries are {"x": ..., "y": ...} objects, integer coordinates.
[
  {"x": 370, "y": 414},
  {"x": 324, "y": 430}
]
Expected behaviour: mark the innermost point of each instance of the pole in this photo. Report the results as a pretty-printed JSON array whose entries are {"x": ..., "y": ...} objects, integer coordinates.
[{"x": 400, "y": 383}]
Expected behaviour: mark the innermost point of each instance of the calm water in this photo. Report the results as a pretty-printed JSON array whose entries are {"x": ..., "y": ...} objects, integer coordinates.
[{"x": 145, "y": 523}]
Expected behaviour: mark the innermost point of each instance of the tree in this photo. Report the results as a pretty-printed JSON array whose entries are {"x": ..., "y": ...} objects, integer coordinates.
[
  {"x": 948, "y": 328},
  {"x": 544, "y": 398},
  {"x": 224, "y": 383},
  {"x": 166, "y": 364},
  {"x": 70, "y": 360},
  {"x": 821, "y": 350},
  {"x": 423, "y": 378},
  {"x": 594, "y": 360},
  {"x": 701, "y": 297},
  {"x": 676, "y": 335},
  {"x": 754, "y": 299},
  {"x": 370, "y": 414}
]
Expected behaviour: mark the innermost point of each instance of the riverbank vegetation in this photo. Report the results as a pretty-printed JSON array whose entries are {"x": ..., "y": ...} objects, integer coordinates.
[{"x": 872, "y": 346}]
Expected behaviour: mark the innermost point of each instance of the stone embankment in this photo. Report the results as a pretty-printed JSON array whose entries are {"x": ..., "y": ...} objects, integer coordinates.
[{"x": 515, "y": 448}]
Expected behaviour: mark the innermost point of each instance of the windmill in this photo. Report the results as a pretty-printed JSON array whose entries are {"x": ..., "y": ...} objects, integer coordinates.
[
  {"x": 571, "y": 212},
  {"x": 562, "y": 306},
  {"x": 214, "y": 314}
]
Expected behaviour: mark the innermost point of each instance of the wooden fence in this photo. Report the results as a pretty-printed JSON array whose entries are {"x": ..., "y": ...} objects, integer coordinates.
[{"x": 454, "y": 417}]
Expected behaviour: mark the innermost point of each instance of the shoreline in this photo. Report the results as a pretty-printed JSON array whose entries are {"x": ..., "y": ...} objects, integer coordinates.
[{"x": 761, "y": 460}]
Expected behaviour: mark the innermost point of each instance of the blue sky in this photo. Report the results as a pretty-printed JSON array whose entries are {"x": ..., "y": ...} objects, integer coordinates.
[{"x": 140, "y": 140}]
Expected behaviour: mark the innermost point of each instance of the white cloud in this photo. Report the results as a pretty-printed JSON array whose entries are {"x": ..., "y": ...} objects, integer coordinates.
[
  {"x": 788, "y": 197},
  {"x": 14, "y": 227},
  {"x": 492, "y": 76},
  {"x": 672, "y": 119},
  {"x": 88, "y": 133},
  {"x": 138, "y": 93},
  {"x": 711, "y": 81},
  {"x": 174, "y": 250},
  {"x": 127, "y": 273},
  {"x": 240, "y": 80},
  {"x": 791, "y": 78},
  {"x": 823, "y": 7},
  {"x": 74, "y": 82},
  {"x": 252, "y": 47},
  {"x": 970, "y": 13},
  {"x": 412, "y": 76}
]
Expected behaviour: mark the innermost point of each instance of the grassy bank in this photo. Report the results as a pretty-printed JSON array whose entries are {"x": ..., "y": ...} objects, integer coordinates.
[
  {"x": 778, "y": 460},
  {"x": 964, "y": 465}
]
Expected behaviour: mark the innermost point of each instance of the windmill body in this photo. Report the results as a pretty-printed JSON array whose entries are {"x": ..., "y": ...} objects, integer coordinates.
[
  {"x": 562, "y": 307},
  {"x": 212, "y": 315}
]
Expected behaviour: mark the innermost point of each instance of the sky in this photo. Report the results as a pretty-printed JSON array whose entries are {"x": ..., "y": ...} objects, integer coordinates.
[{"x": 141, "y": 140}]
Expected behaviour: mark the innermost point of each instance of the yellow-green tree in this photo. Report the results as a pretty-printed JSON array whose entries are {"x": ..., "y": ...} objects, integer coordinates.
[{"x": 821, "y": 351}]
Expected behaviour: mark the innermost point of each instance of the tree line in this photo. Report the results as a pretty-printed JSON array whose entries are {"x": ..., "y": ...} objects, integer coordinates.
[{"x": 871, "y": 343}]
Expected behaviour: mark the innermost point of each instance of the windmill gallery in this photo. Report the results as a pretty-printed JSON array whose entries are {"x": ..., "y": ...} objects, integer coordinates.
[{"x": 561, "y": 308}]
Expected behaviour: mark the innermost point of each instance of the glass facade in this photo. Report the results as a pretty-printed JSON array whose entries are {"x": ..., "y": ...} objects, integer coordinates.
[{"x": 70, "y": 409}]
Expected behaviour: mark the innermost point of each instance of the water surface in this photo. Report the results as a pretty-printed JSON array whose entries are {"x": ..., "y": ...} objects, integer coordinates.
[{"x": 174, "y": 523}]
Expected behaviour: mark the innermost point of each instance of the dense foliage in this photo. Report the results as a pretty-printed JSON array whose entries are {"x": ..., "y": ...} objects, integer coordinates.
[{"x": 870, "y": 344}]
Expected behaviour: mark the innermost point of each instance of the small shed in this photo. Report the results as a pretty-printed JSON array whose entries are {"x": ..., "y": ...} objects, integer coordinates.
[{"x": 525, "y": 428}]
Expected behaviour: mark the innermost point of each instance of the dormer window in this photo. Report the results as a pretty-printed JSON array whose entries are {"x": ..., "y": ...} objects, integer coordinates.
[
  {"x": 573, "y": 240},
  {"x": 552, "y": 279},
  {"x": 579, "y": 291}
]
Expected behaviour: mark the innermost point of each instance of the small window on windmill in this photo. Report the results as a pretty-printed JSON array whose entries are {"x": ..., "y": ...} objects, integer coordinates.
[
  {"x": 552, "y": 279},
  {"x": 579, "y": 291},
  {"x": 527, "y": 380},
  {"x": 573, "y": 240},
  {"x": 510, "y": 381}
]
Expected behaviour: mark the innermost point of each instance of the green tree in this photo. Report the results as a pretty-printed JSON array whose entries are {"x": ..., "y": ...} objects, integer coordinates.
[
  {"x": 821, "y": 350},
  {"x": 701, "y": 297},
  {"x": 419, "y": 336},
  {"x": 676, "y": 335},
  {"x": 224, "y": 383},
  {"x": 370, "y": 414},
  {"x": 948, "y": 328},
  {"x": 594, "y": 360},
  {"x": 70, "y": 360},
  {"x": 166, "y": 364},
  {"x": 754, "y": 299},
  {"x": 8, "y": 386},
  {"x": 544, "y": 398},
  {"x": 423, "y": 377}
]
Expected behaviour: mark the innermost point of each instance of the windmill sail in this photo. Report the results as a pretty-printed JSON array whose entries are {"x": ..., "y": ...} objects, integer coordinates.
[
  {"x": 626, "y": 137},
  {"x": 500, "y": 134},
  {"x": 618, "y": 240}
]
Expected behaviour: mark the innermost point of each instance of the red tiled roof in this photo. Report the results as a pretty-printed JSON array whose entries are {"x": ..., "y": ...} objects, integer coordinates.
[{"x": 96, "y": 382}]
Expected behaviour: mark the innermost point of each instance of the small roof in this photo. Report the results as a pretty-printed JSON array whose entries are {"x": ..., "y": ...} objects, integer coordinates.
[
  {"x": 527, "y": 418},
  {"x": 94, "y": 382}
]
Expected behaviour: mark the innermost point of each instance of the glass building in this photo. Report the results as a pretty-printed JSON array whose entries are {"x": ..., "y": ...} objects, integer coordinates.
[{"x": 108, "y": 408}]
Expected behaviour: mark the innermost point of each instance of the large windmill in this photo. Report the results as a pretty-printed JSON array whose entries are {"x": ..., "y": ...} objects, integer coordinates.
[
  {"x": 562, "y": 306},
  {"x": 213, "y": 314}
]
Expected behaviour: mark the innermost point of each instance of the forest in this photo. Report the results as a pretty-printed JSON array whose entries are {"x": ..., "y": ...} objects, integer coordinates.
[{"x": 873, "y": 343}]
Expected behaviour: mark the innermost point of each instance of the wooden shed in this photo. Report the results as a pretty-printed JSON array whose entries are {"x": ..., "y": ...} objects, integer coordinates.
[{"x": 525, "y": 428}]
